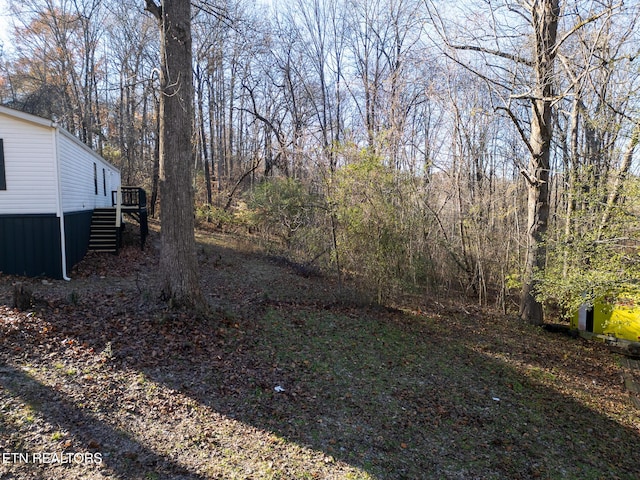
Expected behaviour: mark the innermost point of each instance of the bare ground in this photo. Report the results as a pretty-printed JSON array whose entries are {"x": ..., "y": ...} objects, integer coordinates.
[{"x": 294, "y": 378}]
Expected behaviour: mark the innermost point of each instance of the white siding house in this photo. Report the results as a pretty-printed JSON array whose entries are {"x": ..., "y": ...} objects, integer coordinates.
[{"x": 50, "y": 183}]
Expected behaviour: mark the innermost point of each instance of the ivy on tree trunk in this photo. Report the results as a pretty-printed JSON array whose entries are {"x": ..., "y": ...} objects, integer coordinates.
[{"x": 178, "y": 262}]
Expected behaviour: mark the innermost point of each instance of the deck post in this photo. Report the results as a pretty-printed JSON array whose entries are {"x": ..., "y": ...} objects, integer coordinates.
[{"x": 119, "y": 207}]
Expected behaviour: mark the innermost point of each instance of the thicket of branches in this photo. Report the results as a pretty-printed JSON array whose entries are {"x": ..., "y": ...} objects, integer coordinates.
[{"x": 387, "y": 141}]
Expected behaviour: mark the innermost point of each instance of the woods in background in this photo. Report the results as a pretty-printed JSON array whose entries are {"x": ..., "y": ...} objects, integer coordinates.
[{"x": 410, "y": 145}]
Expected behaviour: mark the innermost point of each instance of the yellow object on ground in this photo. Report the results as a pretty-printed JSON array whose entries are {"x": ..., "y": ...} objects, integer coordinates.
[{"x": 617, "y": 317}]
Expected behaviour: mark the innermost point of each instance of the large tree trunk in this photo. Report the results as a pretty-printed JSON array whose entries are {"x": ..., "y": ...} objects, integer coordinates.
[
  {"x": 178, "y": 262},
  {"x": 545, "y": 23}
]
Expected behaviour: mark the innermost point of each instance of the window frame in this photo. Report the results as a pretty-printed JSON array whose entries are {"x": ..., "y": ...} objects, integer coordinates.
[
  {"x": 3, "y": 172},
  {"x": 95, "y": 178}
]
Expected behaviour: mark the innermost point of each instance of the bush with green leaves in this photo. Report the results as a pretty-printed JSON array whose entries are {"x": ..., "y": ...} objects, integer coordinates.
[
  {"x": 594, "y": 260},
  {"x": 378, "y": 225},
  {"x": 284, "y": 209},
  {"x": 367, "y": 223},
  {"x": 219, "y": 217}
]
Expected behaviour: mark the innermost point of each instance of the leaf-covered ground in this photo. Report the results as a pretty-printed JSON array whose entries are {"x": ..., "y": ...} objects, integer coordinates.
[{"x": 290, "y": 379}]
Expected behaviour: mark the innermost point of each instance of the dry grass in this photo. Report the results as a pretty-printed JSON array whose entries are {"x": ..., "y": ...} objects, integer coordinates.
[{"x": 428, "y": 390}]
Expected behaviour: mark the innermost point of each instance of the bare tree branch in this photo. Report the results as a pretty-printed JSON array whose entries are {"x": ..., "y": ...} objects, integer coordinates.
[
  {"x": 581, "y": 24},
  {"x": 521, "y": 131},
  {"x": 210, "y": 9},
  {"x": 497, "y": 53},
  {"x": 154, "y": 8}
]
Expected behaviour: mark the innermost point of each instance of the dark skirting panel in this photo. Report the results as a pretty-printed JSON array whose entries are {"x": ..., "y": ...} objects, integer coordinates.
[
  {"x": 30, "y": 245},
  {"x": 77, "y": 228}
]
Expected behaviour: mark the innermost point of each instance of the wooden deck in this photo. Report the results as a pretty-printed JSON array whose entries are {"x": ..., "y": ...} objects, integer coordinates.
[{"x": 107, "y": 224}]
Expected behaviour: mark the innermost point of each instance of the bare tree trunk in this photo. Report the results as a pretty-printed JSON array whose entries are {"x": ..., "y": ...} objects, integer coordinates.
[
  {"x": 203, "y": 140},
  {"x": 545, "y": 15},
  {"x": 616, "y": 189},
  {"x": 213, "y": 124},
  {"x": 156, "y": 163},
  {"x": 178, "y": 262}
]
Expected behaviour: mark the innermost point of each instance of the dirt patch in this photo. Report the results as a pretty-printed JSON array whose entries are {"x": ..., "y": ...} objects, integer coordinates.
[{"x": 294, "y": 378}]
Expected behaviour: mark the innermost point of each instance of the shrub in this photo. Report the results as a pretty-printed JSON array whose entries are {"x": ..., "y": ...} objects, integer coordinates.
[
  {"x": 283, "y": 208},
  {"x": 379, "y": 229}
]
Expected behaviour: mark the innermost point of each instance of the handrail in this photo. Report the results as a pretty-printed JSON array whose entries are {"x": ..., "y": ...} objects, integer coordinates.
[
  {"x": 119, "y": 207},
  {"x": 131, "y": 197},
  {"x": 126, "y": 197}
]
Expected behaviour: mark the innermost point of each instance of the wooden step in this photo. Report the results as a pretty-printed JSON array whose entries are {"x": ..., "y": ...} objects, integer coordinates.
[{"x": 103, "y": 236}]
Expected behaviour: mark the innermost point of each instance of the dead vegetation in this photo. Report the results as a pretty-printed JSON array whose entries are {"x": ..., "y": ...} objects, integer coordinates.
[{"x": 293, "y": 378}]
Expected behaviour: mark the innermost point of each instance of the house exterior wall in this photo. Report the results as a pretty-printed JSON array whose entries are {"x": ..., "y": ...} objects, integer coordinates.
[
  {"x": 29, "y": 168},
  {"x": 86, "y": 180},
  {"x": 49, "y": 174}
]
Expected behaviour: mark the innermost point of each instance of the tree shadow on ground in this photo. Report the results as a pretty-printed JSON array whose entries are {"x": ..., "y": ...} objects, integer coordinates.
[
  {"x": 391, "y": 394},
  {"x": 403, "y": 407},
  {"x": 101, "y": 446},
  {"x": 365, "y": 390}
]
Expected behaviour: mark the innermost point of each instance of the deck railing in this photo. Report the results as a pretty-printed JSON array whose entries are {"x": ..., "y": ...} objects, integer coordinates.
[
  {"x": 133, "y": 201},
  {"x": 130, "y": 197}
]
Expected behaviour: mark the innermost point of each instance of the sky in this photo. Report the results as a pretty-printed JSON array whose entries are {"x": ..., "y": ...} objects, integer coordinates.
[{"x": 4, "y": 23}]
